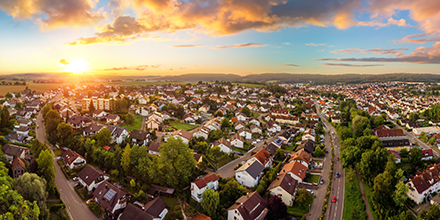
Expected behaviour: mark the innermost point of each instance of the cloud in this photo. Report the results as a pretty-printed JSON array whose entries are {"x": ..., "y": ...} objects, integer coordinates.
[
  {"x": 54, "y": 13},
  {"x": 351, "y": 65},
  {"x": 286, "y": 43},
  {"x": 292, "y": 65},
  {"x": 419, "y": 38},
  {"x": 391, "y": 21},
  {"x": 63, "y": 61},
  {"x": 421, "y": 55},
  {"x": 187, "y": 46},
  {"x": 379, "y": 51},
  {"x": 182, "y": 68},
  {"x": 240, "y": 45},
  {"x": 315, "y": 45},
  {"x": 137, "y": 68}
]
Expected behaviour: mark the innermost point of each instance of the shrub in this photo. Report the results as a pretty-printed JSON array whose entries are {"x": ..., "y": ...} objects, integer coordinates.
[{"x": 95, "y": 208}]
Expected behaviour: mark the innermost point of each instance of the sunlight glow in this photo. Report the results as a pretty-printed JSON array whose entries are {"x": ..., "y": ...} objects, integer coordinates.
[{"x": 77, "y": 67}]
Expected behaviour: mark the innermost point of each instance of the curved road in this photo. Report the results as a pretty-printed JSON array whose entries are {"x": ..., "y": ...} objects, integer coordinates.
[
  {"x": 75, "y": 206},
  {"x": 334, "y": 210}
]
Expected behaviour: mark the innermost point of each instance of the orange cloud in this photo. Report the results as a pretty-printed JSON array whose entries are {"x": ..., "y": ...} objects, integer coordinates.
[
  {"x": 187, "y": 46},
  {"x": 350, "y": 65},
  {"x": 378, "y": 51},
  {"x": 239, "y": 45},
  {"x": 54, "y": 13},
  {"x": 137, "y": 68}
]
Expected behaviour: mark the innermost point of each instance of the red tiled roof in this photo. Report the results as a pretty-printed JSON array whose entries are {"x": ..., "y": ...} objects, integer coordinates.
[{"x": 201, "y": 182}]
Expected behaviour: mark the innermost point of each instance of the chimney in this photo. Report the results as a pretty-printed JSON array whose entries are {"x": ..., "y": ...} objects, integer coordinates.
[{"x": 247, "y": 195}]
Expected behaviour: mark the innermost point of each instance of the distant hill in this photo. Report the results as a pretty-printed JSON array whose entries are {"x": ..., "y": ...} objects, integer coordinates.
[{"x": 306, "y": 78}]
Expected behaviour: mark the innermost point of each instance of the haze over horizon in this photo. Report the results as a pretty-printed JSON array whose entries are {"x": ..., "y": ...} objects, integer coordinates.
[{"x": 174, "y": 37}]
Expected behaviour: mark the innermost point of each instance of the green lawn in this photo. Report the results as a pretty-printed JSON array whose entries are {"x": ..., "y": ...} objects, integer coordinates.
[
  {"x": 369, "y": 194},
  {"x": 223, "y": 162},
  {"x": 239, "y": 149},
  {"x": 312, "y": 178},
  {"x": 58, "y": 152},
  {"x": 136, "y": 124},
  {"x": 353, "y": 199},
  {"x": 290, "y": 148},
  {"x": 297, "y": 210},
  {"x": 183, "y": 126}
]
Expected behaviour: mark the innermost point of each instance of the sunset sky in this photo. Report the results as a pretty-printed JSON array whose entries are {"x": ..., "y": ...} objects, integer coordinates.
[{"x": 157, "y": 37}]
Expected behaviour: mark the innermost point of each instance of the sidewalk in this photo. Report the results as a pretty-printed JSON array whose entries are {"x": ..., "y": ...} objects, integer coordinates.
[{"x": 364, "y": 197}]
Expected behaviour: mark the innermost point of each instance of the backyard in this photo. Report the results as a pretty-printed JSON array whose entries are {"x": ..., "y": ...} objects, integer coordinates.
[
  {"x": 136, "y": 124},
  {"x": 299, "y": 210},
  {"x": 312, "y": 178},
  {"x": 183, "y": 126}
]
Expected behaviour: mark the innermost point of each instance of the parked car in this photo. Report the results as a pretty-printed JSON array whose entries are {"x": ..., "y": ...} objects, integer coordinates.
[
  {"x": 337, "y": 158},
  {"x": 337, "y": 174},
  {"x": 334, "y": 199},
  {"x": 322, "y": 181},
  {"x": 310, "y": 191}
]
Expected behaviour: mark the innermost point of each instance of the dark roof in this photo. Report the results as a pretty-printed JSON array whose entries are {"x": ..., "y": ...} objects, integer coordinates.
[
  {"x": 253, "y": 168},
  {"x": 89, "y": 173},
  {"x": 117, "y": 131},
  {"x": 93, "y": 128},
  {"x": 112, "y": 116},
  {"x": 12, "y": 136},
  {"x": 271, "y": 148},
  {"x": 138, "y": 135},
  {"x": 286, "y": 182},
  {"x": 108, "y": 195},
  {"x": 250, "y": 206},
  {"x": 155, "y": 207},
  {"x": 308, "y": 145},
  {"x": 389, "y": 133},
  {"x": 154, "y": 146},
  {"x": 69, "y": 156},
  {"x": 13, "y": 150},
  {"x": 132, "y": 212}
]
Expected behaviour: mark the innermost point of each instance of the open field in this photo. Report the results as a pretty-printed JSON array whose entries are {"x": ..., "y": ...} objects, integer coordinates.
[
  {"x": 136, "y": 124},
  {"x": 352, "y": 200},
  {"x": 183, "y": 126},
  {"x": 250, "y": 85},
  {"x": 39, "y": 87}
]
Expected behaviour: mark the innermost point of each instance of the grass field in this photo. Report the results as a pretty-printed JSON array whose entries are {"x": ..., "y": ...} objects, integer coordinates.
[
  {"x": 313, "y": 178},
  {"x": 239, "y": 149},
  {"x": 183, "y": 126},
  {"x": 39, "y": 87},
  {"x": 250, "y": 85},
  {"x": 369, "y": 194},
  {"x": 353, "y": 199},
  {"x": 136, "y": 124},
  {"x": 297, "y": 210}
]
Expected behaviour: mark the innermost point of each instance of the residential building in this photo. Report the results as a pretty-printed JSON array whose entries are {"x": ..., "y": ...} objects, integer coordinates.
[
  {"x": 110, "y": 198},
  {"x": 295, "y": 169},
  {"x": 90, "y": 177},
  {"x": 198, "y": 186},
  {"x": 284, "y": 186},
  {"x": 18, "y": 167},
  {"x": 140, "y": 137},
  {"x": 72, "y": 159},
  {"x": 249, "y": 207},
  {"x": 11, "y": 151},
  {"x": 249, "y": 174}
]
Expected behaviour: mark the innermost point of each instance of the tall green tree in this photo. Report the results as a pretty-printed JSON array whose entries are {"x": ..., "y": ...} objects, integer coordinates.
[
  {"x": 360, "y": 123},
  {"x": 5, "y": 118},
  {"x": 46, "y": 168},
  {"x": 103, "y": 137},
  {"x": 400, "y": 194},
  {"x": 64, "y": 132},
  {"x": 37, "y": 147},
  {"x": 91, "y": 107},
  {"x": 33, "y": 188},
  {"x": 230, "y": 192},
  {"x": 177, "y": 161},
  {"x": 129, "y": 119},
  {"x": 350, "y": 156},
  {"x": 210, "y": 201},
  {"x": 416, "y": 156},
  {"x": 52, "y": 120},
  {"x": 126, "y": 158}
]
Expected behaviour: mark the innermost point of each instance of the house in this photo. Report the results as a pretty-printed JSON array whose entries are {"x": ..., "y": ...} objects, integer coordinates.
[
  {"x": 18, "y": 168},
  {"x": 264, "y": 108},
  {"x": 237, "y": 141},
  {"x": 157, "y": 116},
  {"x": 99, "y": 114},
  {"x": 90, "y": 177},
  {"x": 240, "y": 116},
  {"x": 201, "y": 217},
  {"x": 255, "y": 129},
  {"x": 78, "y": 121},
  {"x": 398, "y": 159},
  {"x": 201, "y": 131},
  {"x": 72, "y": 159},
  {"x": 295, "y": 169},
  {"x": 140, "y": 137},
  {"x": 152, "y": 124},
  {"x": 15, "y": 138},
  {"x": 249, "y": 207},
  {"x": 153, "y": 210},
  {"x": 239, "y": 125},
  {"x": 198, "y": 186},
  {"x": 24, "y": 122},
  {"x": 24, "y": 131},
  {"x": 263, "y": 157},
  {"x": 92, "y": 129},
  {"x": 284, "y": 186},
  {"x": 308, "y": 146},
  {"x": 273, "y": 127},
  {"x": 308, "y": 135},
  {"x": 119, "y": 134},
  {"x": 110, "y": 198},
  {"x": 23, "y": 115},
  {"x": 272, "y": 149},
  {"x": 189, "y": 118},
  {"x": 143, "y": 101},
  {"x": 249, "y": 174},
  {"x": 427, "y": 154},
  {"x": 424, "y": 184},
  {"x": 255, "y": 122},
  {"x": 205, "y": 108},
  {"x": 113, "y": 119},
  {"x": 301, "y": 156},
  {"x": 154, "y": 148},
  {"x": 391, "y": 137},
  {"x": 142, "y": 111},
  {"x": 11, "y": 151},
  {"x": 182, "y": 134},
  {"x": 245, "y": 132},
  {"x": 224, "y": 145}
]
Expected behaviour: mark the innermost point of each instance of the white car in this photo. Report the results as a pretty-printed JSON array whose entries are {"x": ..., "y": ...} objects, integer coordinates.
[{"x": 310, "y": 191}]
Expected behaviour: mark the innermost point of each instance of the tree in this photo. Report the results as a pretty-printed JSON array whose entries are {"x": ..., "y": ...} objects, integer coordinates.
[
  {"x": 91, "y": 107},
  {"x": 64, "y": 131},
  {"x": 37, "y": 147},
  {"x": 367, "y": 132},
  {"x": 423, "y": 137},
  {"x": 432, "y": 214},
  {"x": 52, "y": 120},
  {"x": 132, "y": 183},
  {"x": 344, "y": 132},
  {"x": 302, "y": 197},
  {"x": 129, "y": 119},
  {"x": 360, "y": 123},
  {"x": 210, "y": 201},
  {"x": 413, "y": 117},
  {"x": 404, "y": 153},
  {"x": 431, "y": 141},
  {"x": 126, "y": 158},
  {"x": 318, "y": 152},
  {"x": 31, "y": 187},
  {"x": 225, "y": 123},
  {"x": 90, "y": 92},
  {"x": 5, "y": 118},
  {"x": 230, "y": 192},
  {"x": 277, "y": 208},
  {"x": 103, "y": 137},
  {"x": 350, "y": 156},
  {"x": 46, "y": 168},
  {"x": 246, "y": 111},
  {"x": 177, "y": 162},
  {"x": 400, "y": 194},
  {"x": 416, "y": 156},
  {"x": 371, "y": 163},
  {"x": 201, "y": 146}
]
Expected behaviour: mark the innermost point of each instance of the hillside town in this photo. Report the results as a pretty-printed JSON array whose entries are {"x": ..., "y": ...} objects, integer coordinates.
[{"x": 218, "y": 150}]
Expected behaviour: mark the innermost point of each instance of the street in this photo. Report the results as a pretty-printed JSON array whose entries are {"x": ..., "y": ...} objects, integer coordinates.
[
  {"x": 76, "y": 208},
  {"x": 334, "y": 210}
]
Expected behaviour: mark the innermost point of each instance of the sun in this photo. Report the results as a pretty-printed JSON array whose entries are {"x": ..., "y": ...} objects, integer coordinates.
[{"x": 77, "y": 67}]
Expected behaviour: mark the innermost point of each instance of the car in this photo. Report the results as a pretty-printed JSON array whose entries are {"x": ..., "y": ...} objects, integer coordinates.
[
  {"x": 38, "y": 126},
  {"x": 334, "y": 199},
  {"x": 322, "y": 181},
  {"x": 76, "y": 185},
  {"x": 60, "y": 158},
  {"x": 310, "y": 191},
  {"x": 337, "y": 158},
  {"x": 337, "y": 174},
  {"x": 75, "y": 178}
]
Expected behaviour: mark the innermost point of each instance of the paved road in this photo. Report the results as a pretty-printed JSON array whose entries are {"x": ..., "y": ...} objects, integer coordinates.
[
  {"x": 227, "y": 170},
  {"x": 76, "y": 208},
  {"x": 334, "y": 210},
  {"x": 316, "y": 209}
]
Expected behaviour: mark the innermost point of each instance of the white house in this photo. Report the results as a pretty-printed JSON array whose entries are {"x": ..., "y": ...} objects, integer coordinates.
[
  {"x": 245, "y": 132},
  {"x": 113, "y": 119},
  {"x": 425, "y": 184},
  {"x": 72, "y": 159},
  {"x": 142, "y": 111},
  {"x": 284, "y": 186},
  {"x": 91, "y": 177},
  {"x": 201, "y": 131},
  {"x": 110, "y": 198},
  {"x": 198, "y": 186},
  {"x": 237, "y": 141},
  {"x": 295, "y": 169},
  {"x": 248, "y": 207},
  {"x": 119, "y": 134},
  {"x": 249, "y": 174},
  {"x": 224, "y": 145}
]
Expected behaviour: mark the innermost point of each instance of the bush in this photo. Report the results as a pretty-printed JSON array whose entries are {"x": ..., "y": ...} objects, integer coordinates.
[
  {"x": 56, "y": 207},
  {"x": 95, "y": 208}
]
